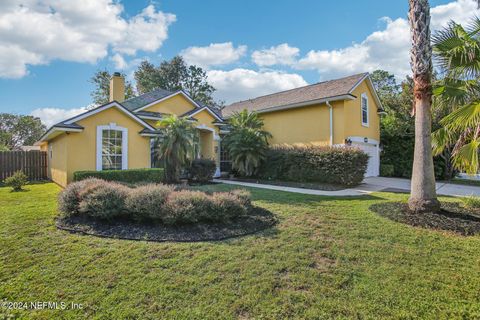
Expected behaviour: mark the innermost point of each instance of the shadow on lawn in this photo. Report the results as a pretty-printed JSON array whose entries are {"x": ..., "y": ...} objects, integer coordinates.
[
  {"x": 255, "y": 222},
  {"x": 273, "y": 197}
]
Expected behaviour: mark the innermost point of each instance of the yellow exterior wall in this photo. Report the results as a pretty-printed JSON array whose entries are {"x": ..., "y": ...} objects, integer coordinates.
[
  {"x": 82, "y": 149},
  {"x": 77, "y": 151},
  {"x": 206, "y": 145},
  {"x": 353, "y": 112},
  {"x": 310, "y": 124},
  {"x": 177, "y": 104},
  {"x": 207, "y": 142},
  {"x": 205, "y": 118},
  {"x": 57, "y": 163}
]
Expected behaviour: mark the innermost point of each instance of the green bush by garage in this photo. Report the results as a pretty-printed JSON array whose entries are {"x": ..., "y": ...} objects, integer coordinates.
[
  {"x": 154, "y": 175},
  {"x": 334, "y": 165}
]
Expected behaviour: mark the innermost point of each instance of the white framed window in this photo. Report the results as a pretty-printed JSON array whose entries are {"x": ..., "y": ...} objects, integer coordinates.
[
  {"x": 112, "y": 147},
  {"x": 364, "y": 109}
]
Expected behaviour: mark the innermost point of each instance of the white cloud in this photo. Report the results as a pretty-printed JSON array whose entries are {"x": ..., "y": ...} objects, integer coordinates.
[
  {"x": 281, "y": 54},
  {"x": 36, "y": 32},
  {"x": 386, "y": 49},
  {"x": 119, "y": 61},
  {"x": 213, "y": 55},
  {"x": 51, "y": 116},
  {"x": 240, "y": 84}
]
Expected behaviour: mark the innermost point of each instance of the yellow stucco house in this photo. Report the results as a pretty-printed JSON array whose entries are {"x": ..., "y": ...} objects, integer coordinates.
[
  {"x": 338, "y": 112},
  {"x": 119, "y": 134}
]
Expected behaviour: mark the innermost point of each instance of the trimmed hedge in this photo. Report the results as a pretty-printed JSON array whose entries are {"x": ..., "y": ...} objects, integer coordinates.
[
  {"x": 153, "y": 175},
  {"x": 387, "y": 170},
  {"x": 104, "y": 200},
  {"x": 336, "y": 165}
]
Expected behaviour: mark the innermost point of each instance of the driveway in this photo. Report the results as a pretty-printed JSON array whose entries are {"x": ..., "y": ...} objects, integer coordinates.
[
  {"x": 369, "y": 185},
  {"x": 398, "y": 184}
]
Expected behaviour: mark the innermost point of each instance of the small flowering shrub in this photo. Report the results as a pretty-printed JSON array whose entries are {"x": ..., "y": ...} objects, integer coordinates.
[
  {"x": 69, "y": 199},
  {"x": 183, "y": 207},
  {"x": 104, "y": 200},
  {"x": 244, "y": 196},
  {"x": 227, "y": 206},
  {"x": 148, "y": 202}
]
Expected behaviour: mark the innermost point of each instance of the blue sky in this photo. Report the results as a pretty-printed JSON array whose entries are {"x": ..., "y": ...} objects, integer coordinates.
[{"x": 248, "y": 47}]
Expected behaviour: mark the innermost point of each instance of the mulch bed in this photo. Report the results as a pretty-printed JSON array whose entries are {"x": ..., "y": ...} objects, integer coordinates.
[
  {"x": 292, "y": 184},
  {"x": 452, "y": 217},
  {"x": 257, "y": 220}
]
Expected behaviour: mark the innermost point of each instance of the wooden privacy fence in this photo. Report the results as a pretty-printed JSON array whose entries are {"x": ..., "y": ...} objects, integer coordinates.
[{"x": 32, "y": 163}]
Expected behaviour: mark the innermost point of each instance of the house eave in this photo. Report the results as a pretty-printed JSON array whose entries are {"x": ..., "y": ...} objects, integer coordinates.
[
  {"x": 55, "y": 131},
  {"x": 308, "y": 103}
]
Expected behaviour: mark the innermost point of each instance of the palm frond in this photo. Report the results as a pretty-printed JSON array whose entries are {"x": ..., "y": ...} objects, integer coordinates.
[
  {"x": 466, "y": 158},
  {"x": 465, "y": 117}
]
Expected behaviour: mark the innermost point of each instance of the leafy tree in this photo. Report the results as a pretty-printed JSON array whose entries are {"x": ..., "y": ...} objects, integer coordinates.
[
  {"x": 457, "y": 51},
  {"x": 101, "y": 93},
  {"x": 175, "y": 75},
  {"x": 423, "y": 196},
  {"x": 19, "y": 130},
  {"x": 246, "y": 142},
  {"x": 177, "y": 145}
]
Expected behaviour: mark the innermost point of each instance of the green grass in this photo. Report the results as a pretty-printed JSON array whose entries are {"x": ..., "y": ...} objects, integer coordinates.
[
  {"x": 327, "y": 258},
  {"x": 466, "y": 182}
]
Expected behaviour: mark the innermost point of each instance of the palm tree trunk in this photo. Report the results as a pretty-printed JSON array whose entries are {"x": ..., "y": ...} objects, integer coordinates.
[{"x": 423, "y": 196}]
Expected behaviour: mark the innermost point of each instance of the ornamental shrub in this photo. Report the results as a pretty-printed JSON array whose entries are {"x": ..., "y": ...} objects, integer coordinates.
[
  {"x": 184, "y": 207},
  {"x": 202, "y": 170},
  {"x": 147, "y": 202},
  {"x": 226, "y": 206},
  {"x": 100, "y": 199},
  {"x": 104, "y": 200},
  {"x": 69, "y": 199},
  {"x": 16, "y": 181},
  {"x": 335, "y": 165},
  {"x": 244, "y": 197}
]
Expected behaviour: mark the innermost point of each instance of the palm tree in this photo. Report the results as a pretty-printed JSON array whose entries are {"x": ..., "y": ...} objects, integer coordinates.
[
  {"x": 247, "y": 142},
  {"x": 458, "y": 52},
  {"x": 177, "y": 145},
  {"x": 423, "y": 196}
]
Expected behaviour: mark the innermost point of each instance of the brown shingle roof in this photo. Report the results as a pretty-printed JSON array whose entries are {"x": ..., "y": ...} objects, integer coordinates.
[{"x": 321, "y": 90}]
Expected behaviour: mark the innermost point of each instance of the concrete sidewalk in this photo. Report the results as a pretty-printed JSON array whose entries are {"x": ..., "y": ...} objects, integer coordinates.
[{"x": 371, "y": 184}]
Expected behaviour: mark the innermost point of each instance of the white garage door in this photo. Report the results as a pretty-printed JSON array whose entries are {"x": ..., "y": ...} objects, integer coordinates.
[{"x": 373, "y": 168}]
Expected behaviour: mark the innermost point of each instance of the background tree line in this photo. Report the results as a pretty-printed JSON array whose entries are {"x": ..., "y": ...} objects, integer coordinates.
[{"x": 171, "y": 75}]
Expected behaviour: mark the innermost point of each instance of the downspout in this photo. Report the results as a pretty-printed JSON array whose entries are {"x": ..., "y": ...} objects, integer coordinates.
[{"x": 331, "y": 121}]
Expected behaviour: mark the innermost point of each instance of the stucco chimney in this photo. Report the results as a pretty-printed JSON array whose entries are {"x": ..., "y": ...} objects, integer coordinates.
[{"x": 117, "y": 87}]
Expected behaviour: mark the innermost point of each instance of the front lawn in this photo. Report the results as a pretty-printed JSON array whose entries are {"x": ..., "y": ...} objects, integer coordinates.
[{"x": 326, "y": 258}]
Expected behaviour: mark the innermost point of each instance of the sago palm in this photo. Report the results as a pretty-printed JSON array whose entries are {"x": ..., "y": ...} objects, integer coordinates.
[
  {"x": 457, "y": 51},
  {"x": 246, "y": 142},
  {"x": 423, "y": 196},
  {"x": 177, "y": 145}
]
